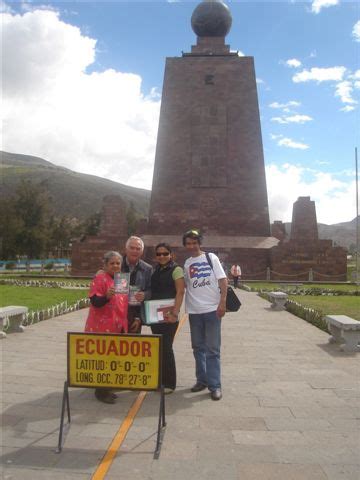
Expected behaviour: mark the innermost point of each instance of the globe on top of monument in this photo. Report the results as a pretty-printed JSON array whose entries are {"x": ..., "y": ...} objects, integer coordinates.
[{"x": 211, "y": 18}]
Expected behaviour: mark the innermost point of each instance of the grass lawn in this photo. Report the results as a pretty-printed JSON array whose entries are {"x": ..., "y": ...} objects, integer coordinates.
[
  {"x": 36, "y": 298},
  {"x": 344, "y": 305},
  {"x": 278, "y": 286}
]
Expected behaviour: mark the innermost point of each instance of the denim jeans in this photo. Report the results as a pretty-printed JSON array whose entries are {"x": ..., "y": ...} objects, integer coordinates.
[{"x": 205, "y": 329}]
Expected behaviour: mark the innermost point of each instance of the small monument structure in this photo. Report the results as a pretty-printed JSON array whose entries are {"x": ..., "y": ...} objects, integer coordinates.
[{"x": 304, "y": 256}]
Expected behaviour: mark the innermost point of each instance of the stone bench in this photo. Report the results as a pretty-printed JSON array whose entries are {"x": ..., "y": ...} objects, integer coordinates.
[
  {"x": 345, "y": 331},
  {"x": 12, "y": 317},
  {"x": 278, "y": 300}
]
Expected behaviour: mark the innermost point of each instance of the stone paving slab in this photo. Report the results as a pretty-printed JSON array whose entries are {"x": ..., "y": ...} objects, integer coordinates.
[{"x": 290, "y": 409}]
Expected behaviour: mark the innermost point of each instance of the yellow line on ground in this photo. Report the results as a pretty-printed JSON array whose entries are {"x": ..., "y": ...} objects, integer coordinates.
[
  {"x": 118, "y": 439},
  {"x": 120, "y": 435}
]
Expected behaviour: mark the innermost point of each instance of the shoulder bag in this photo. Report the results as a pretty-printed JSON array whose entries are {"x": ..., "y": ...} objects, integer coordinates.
[{"x": 232, "y": 301}]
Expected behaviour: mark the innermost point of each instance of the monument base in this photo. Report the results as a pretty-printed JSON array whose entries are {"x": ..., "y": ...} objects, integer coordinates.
[
  {"x": 251, "y": 253},
  {"x": 315, "y": 260}
]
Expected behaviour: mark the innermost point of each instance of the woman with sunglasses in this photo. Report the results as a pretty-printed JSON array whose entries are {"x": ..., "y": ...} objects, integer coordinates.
[{"x": 167, "y": 281}]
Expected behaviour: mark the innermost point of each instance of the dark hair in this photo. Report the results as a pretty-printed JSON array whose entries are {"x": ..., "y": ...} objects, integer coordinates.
[
  {"x": 194, "y": 234},
  {"x": 164, "y": 245}
]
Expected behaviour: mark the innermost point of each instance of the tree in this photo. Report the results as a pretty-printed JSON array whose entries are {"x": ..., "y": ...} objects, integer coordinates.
[
  {"x": 29, "y": 232},
  {"x": 9, "y": 229},
  {"x": 61, "y": 231},
  {"x": 132, "y": 218}
]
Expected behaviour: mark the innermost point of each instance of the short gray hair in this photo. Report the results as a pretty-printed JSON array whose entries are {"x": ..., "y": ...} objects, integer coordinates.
[
  {"x": 138, "y": 239},
  {"x": 108, "y": 255}
]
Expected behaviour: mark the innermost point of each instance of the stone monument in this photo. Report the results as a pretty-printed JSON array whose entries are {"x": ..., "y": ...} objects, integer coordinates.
[
  {"x": 209, "y": 168},
  {"x": 304, "y": 256},
  {"x": 209, "y": 171}
]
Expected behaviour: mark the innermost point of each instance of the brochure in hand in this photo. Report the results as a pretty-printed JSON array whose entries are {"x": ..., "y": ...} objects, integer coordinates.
[
  {"x": 156, "y": 310},
  {"x": 121, "y": 282},
  {"x": 132, "y": 292}
]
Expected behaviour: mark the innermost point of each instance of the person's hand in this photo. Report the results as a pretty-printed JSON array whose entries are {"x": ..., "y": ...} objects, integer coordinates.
[
  {"x": 135, "y": 325},
  {"x": 110, "y": 293},
  {"x": 170, "y": 317},
  {"x": 99, "y": 272},
  {"x": 140, "y": 296},
  {"x": 220, "y": 311}
]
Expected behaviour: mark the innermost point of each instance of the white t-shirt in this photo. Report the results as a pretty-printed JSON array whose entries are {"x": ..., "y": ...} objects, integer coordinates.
[{"x": 202, "y": 287}]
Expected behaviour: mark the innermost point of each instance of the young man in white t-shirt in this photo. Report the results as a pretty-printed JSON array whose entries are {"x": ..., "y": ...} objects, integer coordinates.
[{"x": 205, "y": 302}]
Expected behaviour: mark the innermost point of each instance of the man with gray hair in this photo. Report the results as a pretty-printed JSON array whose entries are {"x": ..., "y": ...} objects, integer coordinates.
[{"x": 140, "y": 282}]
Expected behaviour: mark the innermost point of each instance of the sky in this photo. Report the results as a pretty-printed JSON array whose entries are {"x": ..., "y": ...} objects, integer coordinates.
[{"x": 82, "y": 82}]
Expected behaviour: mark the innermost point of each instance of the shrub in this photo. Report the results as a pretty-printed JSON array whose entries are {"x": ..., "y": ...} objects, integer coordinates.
[
  {"x": 10, "y": 266},
  {"x": 49, "y": 266}
]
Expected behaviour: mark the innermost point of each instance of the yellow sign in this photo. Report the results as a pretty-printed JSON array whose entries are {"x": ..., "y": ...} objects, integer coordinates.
[{"x": 114, "y": 360}]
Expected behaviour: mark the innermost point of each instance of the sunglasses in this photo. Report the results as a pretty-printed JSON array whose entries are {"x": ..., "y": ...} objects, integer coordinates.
[
  {"x": 162, "y": 254},
  {"x": 194, "y": 232}
]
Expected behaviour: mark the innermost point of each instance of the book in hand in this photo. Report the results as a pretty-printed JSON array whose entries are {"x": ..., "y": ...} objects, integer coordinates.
[
  {"x": 156, "y": 310},
  {"x": 121, "y": 282},
  {"x": 132, "y": 295}
]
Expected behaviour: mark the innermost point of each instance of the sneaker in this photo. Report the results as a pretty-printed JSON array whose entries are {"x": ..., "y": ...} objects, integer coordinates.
[
  {"x": 104, "y": 396},
  {"x": 216, "y": 394},
  {"x": 198, "y": 387}
]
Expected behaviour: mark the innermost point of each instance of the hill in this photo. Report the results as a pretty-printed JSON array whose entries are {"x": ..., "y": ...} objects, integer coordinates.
[
  {"x": 343, "y": 234},
  {"x": 80, "y": 195},
  {"x": 74, "y": 194}
]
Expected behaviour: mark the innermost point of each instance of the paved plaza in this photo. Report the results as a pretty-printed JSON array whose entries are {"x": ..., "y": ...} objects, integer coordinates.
[{"x": 290, "y": 409}]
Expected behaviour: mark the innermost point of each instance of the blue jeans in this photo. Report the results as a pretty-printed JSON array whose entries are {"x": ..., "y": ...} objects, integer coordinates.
[{"x": 205, "y": 329}]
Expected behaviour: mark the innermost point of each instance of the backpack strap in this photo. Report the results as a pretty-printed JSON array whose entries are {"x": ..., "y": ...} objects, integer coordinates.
[{"x": 209, "y": 260}]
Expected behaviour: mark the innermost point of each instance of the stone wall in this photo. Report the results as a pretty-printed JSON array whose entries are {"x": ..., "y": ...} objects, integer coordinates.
[{"x": 87, "y": 255}]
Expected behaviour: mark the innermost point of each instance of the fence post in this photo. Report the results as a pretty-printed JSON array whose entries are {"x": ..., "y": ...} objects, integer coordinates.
[
  {"x": 311, "y": 275},
  {"x": 268, "y": 274}
]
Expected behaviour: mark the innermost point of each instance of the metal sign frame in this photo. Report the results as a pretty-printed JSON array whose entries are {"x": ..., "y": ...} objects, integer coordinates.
[{"x": 123, "y": 368}]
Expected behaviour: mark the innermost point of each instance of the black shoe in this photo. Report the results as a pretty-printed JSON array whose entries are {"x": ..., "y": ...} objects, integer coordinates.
[
  {"x": 104, "y": 396},
  {"x": 198, "y": 387},
  {"x": 216, "y": 394}
]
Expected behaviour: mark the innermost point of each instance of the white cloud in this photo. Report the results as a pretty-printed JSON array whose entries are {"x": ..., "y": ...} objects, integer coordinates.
[
  {"x": 293, "y": 62},
  {"x": 99, "y": 123},
  {"x": 292, "y": 119},
  {"x": 317, "y": 5},
  {"x": 347, "y": 108},
  {"x": 332, "y": 197},
  {"x": 289, "y": 143},
  {"x": 356, "y": 31},
  {"x": 292, "y": 103},
  {"x": 320, "y": 74},
  {"x": 344, "y": 90}
]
